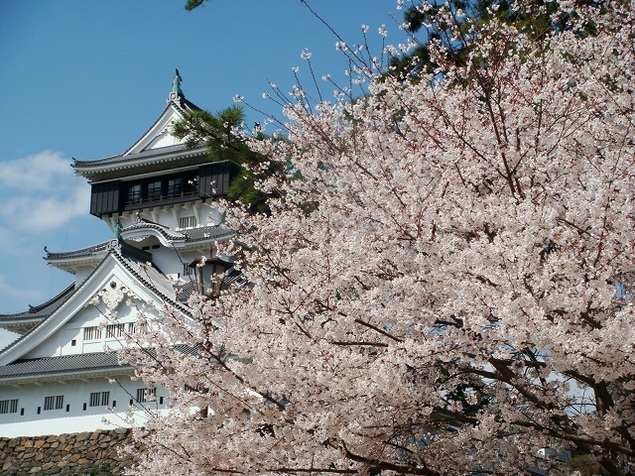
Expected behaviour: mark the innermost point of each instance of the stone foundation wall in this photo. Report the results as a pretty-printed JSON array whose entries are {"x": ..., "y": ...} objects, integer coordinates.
[{"x": 89, "y": 453}]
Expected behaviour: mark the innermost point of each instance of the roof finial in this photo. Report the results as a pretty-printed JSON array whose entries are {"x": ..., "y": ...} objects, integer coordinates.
[{"x": 176, "y": 85}]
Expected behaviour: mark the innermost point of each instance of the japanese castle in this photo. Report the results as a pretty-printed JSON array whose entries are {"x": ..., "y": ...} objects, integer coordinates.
[{"x": 62, "y": 374}]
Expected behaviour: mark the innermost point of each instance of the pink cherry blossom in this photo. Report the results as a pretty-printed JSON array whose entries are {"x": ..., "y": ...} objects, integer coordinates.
[{"x": 444, "y": 283}]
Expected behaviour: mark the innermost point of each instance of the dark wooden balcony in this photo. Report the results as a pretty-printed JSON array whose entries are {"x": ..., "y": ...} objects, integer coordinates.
[{"x": 210, "y": 180}]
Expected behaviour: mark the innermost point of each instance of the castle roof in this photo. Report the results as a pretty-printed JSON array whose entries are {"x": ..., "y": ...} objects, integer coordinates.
[
  {"x": 141, "y": 278},
  {"x": 55, "y": 368},
  {"x": 94, "y": 364},
  {"x": 155, "y": 149},
  {"x": 67, "y": 260},
  {"x": 158, "y": 199},
  {"x": 24, "y": 320}
]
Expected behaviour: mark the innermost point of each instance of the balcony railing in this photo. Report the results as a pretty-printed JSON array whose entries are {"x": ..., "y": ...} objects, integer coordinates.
[{"x": 132, "y": 203}]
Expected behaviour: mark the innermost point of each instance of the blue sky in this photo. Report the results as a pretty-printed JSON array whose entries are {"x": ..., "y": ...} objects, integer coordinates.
[{"x": 85, "y": 79}]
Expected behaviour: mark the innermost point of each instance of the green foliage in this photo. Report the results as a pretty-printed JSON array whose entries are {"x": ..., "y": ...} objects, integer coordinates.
[
  {"x": 220, "y": 132},
  {"x": 192, "y": 4},
  {"x": 217, "y": 129},
  {"x": 102, "y": 470},
  {"x": 585, "y": 465},
  {"x": 456, "y": 35}
]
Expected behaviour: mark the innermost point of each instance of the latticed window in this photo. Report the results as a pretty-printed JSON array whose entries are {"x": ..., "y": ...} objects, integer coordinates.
[
  {"x": 134, "y": 193},
  {"x": 92, "y": 333},
  {"x": 99, "y": 399},
  {"x": 187, "y": 222},
  {"x": 9, "y": 406},
  {"x": 175, "y": 187},
  {"x": 154, "y": 190},
  {"x": 146, "y": 395},
  {"x": 55, "y": 402},
  {"x": 114, "y": 331}
]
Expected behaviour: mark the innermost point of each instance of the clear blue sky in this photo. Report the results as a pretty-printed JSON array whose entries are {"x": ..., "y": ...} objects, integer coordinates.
[{"x": 85, "y": 79}]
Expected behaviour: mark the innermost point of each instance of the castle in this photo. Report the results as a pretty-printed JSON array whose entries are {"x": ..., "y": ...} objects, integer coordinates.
[{"x": 62, "y": 374}]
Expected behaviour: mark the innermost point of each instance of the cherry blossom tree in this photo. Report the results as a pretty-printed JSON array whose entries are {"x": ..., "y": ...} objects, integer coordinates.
[{"x": 443, "y": 285}]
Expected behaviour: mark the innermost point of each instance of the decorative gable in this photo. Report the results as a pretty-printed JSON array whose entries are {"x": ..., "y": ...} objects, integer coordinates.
[
  {"x": 160, "y": 134},
  {"x": 118, "y": 285},
  {"x": 112, "y": 294}
]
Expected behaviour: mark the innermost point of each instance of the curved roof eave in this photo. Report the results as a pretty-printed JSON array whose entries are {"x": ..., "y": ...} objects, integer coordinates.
[
  {"x": 89, "y": 253},
  {"x": 150, "y": 157},
  {"x": 36, "y": 313},
  {"x": 138, "y": 154},
  {"x": 83, "y": 292},
  {"x": 180, "y": 238},
  {"x": 67, "y": 375},
  {"x": 74, "y": 366},
  {"x": 180, "y": 104}
]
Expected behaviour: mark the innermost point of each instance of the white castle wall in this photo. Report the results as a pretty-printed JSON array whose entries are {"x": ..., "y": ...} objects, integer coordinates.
[
  {"x": 76, "y": 414},
  {"x": 70, "y": 339}
]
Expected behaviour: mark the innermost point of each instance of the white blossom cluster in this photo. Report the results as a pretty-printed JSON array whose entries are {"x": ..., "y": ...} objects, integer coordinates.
[{"x": 434, "y": 291}]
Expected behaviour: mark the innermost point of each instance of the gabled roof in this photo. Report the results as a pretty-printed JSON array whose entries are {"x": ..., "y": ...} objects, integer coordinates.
[
  {"x": 160, "y": 131},
  {"x": 24, "y": 320},
  {"x": 177, "y": 238},
  {"x": 180, "y": 239},
  {"x": 156, "y": 145},
  {"x": 142, "y": 279}
]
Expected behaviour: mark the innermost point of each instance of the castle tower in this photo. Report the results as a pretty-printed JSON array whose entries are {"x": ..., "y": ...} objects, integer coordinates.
[{"x": 158, "y": 198}]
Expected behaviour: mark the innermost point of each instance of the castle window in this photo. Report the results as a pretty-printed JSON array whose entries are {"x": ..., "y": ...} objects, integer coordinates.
[
  {"x": 146, "y": 395},
  {"x": 92, "y": 333},
  {"x": 175, "y": 187},
  {"x": 114, "y": 331},
  {"x": 187, "y": 222},
  {"x": 55, "y": 402},
  {"x": 9, "y": 406},
  {"x": 134, "y": 193},
  {"x": 154, "y": 190},
  {"x": 99, "y": 399}
]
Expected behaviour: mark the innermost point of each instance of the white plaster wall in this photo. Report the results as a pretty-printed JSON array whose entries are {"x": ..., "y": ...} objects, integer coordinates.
[
  {"x": 206, "y": 214},
  {"x": 61, "y": 342},
  {"x": 76, "y": 394},
  {"x": 164, "y": 139},
  {"x": 7, "y": 337},
  {"x": 168, "y": 261}
]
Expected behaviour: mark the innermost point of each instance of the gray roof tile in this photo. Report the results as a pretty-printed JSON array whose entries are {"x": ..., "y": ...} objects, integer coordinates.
[
  {"x": 182, "y": 149},
  {"x": 83, "y": 252},
  {"x": 41, "y": 311},
  {"x": 64, "y": 364},
  {"x": 190, "y": 235},
  {"x": 183, "y": 105},
  {"x": 69, "y": 364}
]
